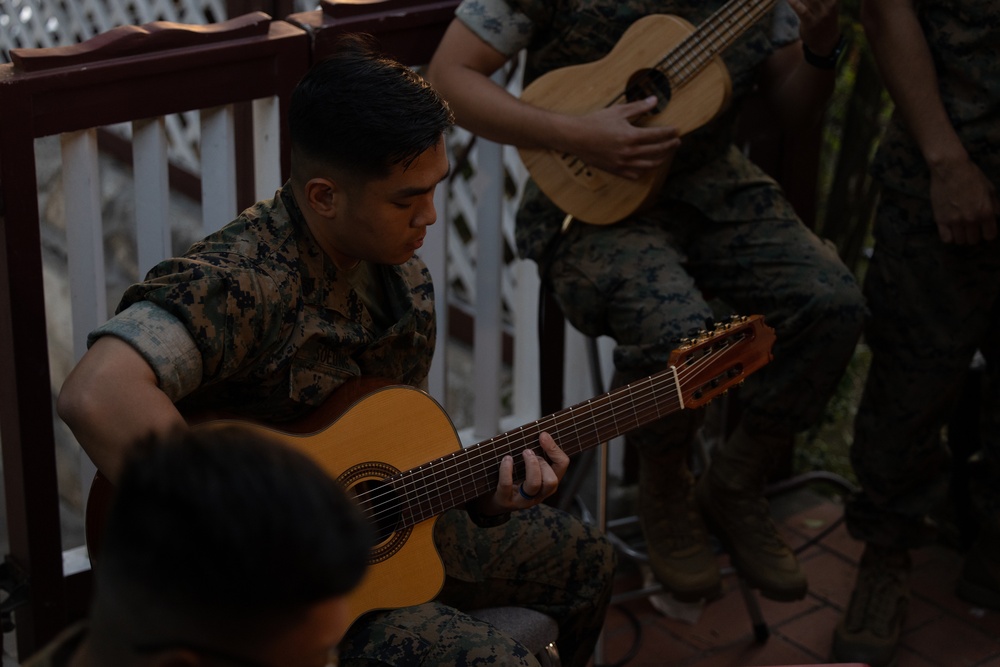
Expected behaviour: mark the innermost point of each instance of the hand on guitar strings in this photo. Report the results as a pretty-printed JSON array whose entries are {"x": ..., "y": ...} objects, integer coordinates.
[
  {"x": 541, "y": 479},
  {"x": 613, "y": 139}
]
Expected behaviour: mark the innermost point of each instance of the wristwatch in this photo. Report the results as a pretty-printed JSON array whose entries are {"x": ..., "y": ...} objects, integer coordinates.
[{"x": 828, "y": 61}]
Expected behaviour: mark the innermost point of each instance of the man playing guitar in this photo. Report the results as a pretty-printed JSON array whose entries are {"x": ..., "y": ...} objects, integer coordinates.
[{"x": 268, "y": 317}]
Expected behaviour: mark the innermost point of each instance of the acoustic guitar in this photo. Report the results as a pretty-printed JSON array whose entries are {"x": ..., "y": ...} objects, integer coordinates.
[
  {"x": 659, "y": 55},
  {"x": 397, "y": 453}
]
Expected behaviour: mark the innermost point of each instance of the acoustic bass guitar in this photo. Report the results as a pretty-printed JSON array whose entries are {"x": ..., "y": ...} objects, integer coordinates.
[
  {"x": 659, "y": 55},
  {"x": 397, "y": 453}
]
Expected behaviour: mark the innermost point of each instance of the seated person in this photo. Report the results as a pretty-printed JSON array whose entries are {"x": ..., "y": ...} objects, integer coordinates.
[
  {"x": 211, "y": 555},
  {"x": 717, "y": 225},
  {"x": 271, "y": 315}
]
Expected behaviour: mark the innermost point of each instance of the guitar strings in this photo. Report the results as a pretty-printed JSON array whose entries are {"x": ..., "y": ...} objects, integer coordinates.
[
  {"x": 693, "y": 53},
  {"x": 597, "y": 411},
  {"x": 502, "y": 444},
  {"x": 405, "y": 489},
  {"x": 491, "y": 451},
  {"x": 715, "y": 34}
]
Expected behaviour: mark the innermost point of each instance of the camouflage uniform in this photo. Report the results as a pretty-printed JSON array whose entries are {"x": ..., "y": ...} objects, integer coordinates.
[
  {"x": 720, "y": 227},
  {"x": 932, "y": 304},
  {"x": 256, "y": 319}
]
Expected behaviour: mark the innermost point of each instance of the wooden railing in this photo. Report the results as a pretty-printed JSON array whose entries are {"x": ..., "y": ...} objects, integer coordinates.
[{"x": 126, "y": 75}]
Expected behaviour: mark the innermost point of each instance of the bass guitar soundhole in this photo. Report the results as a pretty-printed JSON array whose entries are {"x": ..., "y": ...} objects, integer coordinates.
[{"x": 379, "y": 502}]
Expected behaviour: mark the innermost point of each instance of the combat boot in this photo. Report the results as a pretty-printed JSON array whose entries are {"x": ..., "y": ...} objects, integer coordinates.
[
  {"x": 979, "y": 582},
  {"x": 730, "y": 495},
  {"x": 676, "y": 539},
  {"x": 869, "y": 630}
]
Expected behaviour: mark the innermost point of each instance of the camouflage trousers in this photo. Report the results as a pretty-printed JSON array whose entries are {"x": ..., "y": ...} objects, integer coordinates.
[
  {"x": 542, "y": 559},
  {"x": 932, "y": 306},
  {"x": 646, "y": 282}
]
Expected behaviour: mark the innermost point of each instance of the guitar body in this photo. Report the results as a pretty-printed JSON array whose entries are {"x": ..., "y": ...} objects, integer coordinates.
[
  {"x": 395, "y": 423},
  {"x": 590, "y": 194},
  {"x": 396, "y": 452}
]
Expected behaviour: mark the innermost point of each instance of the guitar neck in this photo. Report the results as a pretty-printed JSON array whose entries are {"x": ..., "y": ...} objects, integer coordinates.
[
  {"x": 712, "y": 37},
  {"x": 469, "y": 473},
  {"x": 699, "y": 370}
]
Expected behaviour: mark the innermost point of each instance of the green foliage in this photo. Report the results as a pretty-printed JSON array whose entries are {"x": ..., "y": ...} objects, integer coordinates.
[
  {"x": 827, "y": 445},
  {"x": 854, "y": 122}
]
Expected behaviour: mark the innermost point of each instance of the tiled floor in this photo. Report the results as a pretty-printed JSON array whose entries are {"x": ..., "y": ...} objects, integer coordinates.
[{"x": 940, "y": 628}]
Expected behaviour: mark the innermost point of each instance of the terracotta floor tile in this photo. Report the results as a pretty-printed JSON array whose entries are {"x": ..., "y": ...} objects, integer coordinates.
[
  {"x": 722, "y": 622},
  {"x": 777, "y": 614},
  {"x": 907, "y": 658},
  {"x": 831, "y": 579},
  {"x": 621, "y": 640},
  {"x": 920, "y": 614},
  {"x": 940, "y": 631},
  {"x": 776, "y": 651},
  {"x": 812, "y": 520},
  {"x": 841, "y": 542},
  {"x": 950, "y": 642},
  {"x": 935, "y": 572},
  {"x": 812, "y": 632}
]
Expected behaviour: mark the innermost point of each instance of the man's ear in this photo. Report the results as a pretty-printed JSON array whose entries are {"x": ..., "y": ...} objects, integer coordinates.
[{"x": 322, "y": 196}]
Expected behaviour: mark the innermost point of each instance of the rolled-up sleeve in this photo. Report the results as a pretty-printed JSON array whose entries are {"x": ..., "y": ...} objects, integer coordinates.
[
  {"x": 498, "y": 23},
  {"x": 163, "y": 341},
  {"x": 785, "y": 26}
]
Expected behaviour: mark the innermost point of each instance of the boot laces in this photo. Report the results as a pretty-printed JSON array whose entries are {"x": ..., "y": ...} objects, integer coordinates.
[
  {"x": 878, "y": 597},
  {"x": 752, "y": 517}
]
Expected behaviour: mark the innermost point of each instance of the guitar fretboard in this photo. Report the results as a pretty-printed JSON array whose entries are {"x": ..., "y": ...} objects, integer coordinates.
[
  {"x": 470, "y": 473},
  {"x": 714, "y": 35},
  {"x": 699, "y": 371}
]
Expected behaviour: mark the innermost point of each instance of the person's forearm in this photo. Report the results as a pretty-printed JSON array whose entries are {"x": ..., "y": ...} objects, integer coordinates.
[
  {"x": 486, "y": 109},
  {"x": 798, "y": 87},
  {"x": 605, "y": 138},
  {"x": 802, "y": 94},
  {"x": 482, "y": 106},
  {"x": 111, "y": 401},
  {"x": 907, "y": 68}
]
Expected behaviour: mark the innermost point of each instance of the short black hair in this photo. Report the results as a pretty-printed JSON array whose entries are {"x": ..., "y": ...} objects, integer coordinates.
[
  {"x": 223, "y": 520},
  {"x": 361, "y": 111}
]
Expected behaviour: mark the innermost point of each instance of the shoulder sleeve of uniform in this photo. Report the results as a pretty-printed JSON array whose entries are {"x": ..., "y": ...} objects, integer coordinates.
[
  {"x": 499, "y": 23},
  {"x": 785, "y": 26},
  {"x": 232, "y": 308},
  {"x": 163, "y": 341}
]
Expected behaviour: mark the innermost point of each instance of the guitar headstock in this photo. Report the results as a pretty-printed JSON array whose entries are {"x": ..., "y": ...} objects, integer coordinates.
[{"x": 712, "y": 362}]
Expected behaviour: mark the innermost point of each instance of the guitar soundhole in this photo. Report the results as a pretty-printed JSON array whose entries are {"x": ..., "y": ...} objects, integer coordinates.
[
  {"x": 646, "y": 82},
  {"x": 380, "y": 504}
]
